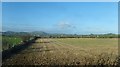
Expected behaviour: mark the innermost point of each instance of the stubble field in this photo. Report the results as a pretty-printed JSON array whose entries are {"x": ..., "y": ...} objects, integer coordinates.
[{"x": 68, "y": 51}]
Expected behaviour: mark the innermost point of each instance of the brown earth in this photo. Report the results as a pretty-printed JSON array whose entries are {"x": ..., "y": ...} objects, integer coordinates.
[{"x": 55, "y": 52}]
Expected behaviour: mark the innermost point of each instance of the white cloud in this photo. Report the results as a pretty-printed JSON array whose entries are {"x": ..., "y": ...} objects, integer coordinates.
[{"x": 65, "y": 25}]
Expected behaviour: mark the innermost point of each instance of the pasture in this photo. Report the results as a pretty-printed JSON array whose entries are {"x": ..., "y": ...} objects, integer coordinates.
[
  {"x": 8, "y": 42},
  {"x": 68, "y": 51}
]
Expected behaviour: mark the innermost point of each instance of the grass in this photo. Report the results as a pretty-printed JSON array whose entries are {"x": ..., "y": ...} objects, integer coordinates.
[{"x": 9, "y": 42}]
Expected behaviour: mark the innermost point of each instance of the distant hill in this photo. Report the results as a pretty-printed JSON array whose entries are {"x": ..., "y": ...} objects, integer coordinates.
[
  {"x": 12, "y": 33},
  {"x": 44, "y": 34},
  {"x": 39, "y": 33},
  {"x": 35, "y": 33}
]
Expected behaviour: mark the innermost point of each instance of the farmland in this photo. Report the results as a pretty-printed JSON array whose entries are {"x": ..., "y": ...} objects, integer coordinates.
[
  {"x": 12, "y": 40},
  {"x": 67, "y": 51},
  {"x": 9, "y": 42}
]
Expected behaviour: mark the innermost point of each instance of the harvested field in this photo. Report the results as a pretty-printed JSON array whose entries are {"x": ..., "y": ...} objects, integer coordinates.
[{"x": 68, "y": 51}]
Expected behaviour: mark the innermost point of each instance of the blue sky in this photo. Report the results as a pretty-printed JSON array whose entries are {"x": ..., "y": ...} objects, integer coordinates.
[{"x": 61, "y": 17}]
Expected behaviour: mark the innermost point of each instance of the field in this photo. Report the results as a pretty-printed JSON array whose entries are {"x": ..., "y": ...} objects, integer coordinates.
[
  {"x": 9, "y": 42},
  {"x": 67, "y": 51}
]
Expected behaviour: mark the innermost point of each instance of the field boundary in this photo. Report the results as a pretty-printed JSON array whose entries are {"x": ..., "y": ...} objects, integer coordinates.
[{"x": 16, "y": 49}]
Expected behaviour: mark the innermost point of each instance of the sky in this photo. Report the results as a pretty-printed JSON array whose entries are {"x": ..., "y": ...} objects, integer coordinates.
[{"x": 60, "y": 17}]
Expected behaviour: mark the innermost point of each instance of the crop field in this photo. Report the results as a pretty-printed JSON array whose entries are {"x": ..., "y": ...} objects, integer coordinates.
[{"x": 67, "y": 51}]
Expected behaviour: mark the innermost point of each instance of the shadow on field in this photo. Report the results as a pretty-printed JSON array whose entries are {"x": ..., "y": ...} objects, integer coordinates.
[
  {"x": 36, "y": 50},
  {"x": 44, "y": 42},
  {"x": 16, "y": 49}
]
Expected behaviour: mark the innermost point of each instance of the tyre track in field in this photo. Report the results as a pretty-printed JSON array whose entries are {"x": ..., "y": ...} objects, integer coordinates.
[
  {"x": 71, "y": 47},
  {"x": 54, "y": 56},
  {"x": 39, "y": 53},
  {"x": 63, "y": 54},
  {"x": 58, "y": 55},
  {"x": 73, "y": 56},
  {"x": 68, "y": 47},
  {"x": 77, "y": 52},
  {"x": 45, "y": 52}
]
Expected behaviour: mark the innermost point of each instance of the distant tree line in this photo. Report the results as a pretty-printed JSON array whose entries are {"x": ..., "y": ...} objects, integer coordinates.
[
  {"x": 109, "y": 35},
  {"x": 28, "y": 35}
]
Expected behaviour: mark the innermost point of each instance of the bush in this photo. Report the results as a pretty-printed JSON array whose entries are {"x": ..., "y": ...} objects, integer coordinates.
[{"x": 25, "y": 38}]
